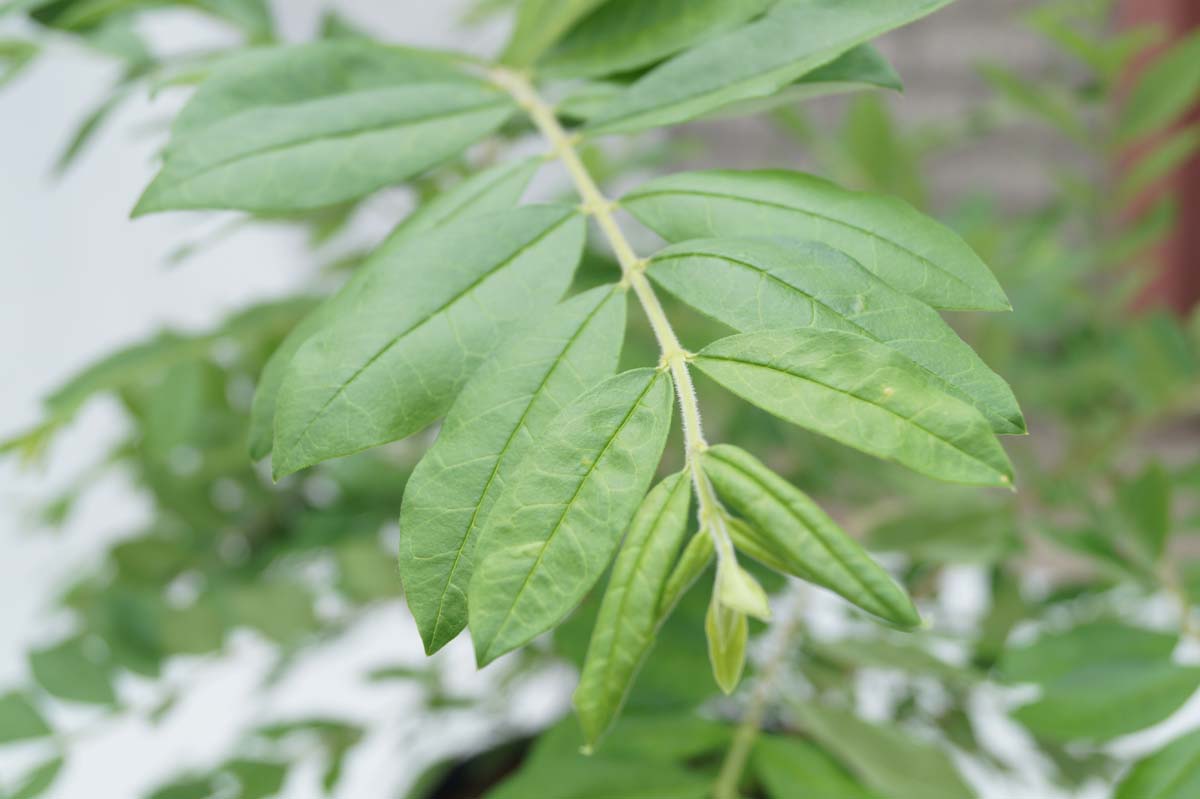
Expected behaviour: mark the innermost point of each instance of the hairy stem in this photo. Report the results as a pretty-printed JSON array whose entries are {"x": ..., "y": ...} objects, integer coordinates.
[{"x": 673, "y": 356}]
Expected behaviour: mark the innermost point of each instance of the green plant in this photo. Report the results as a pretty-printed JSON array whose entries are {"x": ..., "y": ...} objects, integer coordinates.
[{"x": 539, "y": 481}]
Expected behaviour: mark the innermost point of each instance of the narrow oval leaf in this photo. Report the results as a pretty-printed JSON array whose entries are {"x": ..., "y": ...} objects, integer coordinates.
[
  {"x": 504, "y": 408},
  {"x": 1107, "y": 700},
  {"x": 863, "y": 394},
  {"x": 491, "y": 190},
  {"x": 754, "y": 61},
  {"x": 759, "y": 284},
  {"x": 541, "y": 23},
  {"x": 906, "y": 249},
  {"x": 422, "y": 320},
  {"x": 554, "y": 529},
  {"x": 794, "y": 533},
  {"x": 727, "y": 631},
  {"x": 1164, "y": 91},
  {"x": 303, "y": 127},
  {"x": 1172, "y": 772},
  {"x": 628, "y": 618},
  {"x": 20, "y": 720},
  {"x": 695, "y": 559},
  {"x": 625, "y": 34},
  {"x": 792, "y": 768}
]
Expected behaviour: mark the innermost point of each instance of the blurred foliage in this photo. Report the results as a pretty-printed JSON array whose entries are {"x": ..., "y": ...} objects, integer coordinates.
[{"x": 1104, "y": 521}]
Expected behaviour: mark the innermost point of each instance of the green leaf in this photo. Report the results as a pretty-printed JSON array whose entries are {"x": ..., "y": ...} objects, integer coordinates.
[
  {"x": 502, "y": 411},
  {"x": 256, "y": 779},
  {"x": 753, "y": 61},
  {"x": 1163, "y": 91},
  {"x": 1163, "y": 159},
  {"x": 67, "y": 671},
  {"x": 554, "y": 529},
  {"x": 628, "y": 618},
  {"x": 759, "y": 284},
  {"x": 863, "y": 394},
  {"x": 790, "y": 768},
  {"x": 15, "y": 55},
  {"x": 492, "y": 190},
  {"x": 1106, "y": 700},
  {"x": 885, "y": 758},
  {"x": 313, "y": 125},
  {"x": 726, "y": 630},
  {"x": 1055, "y": 656},
  {"x": 692, "y": 562},
  {"x": 541, "y": 23},
  {"x": 281, "y": 611},
  {"x": 365, "y": 572},
  {"x": 420, "y": 323},
  {"x": 623, "y": 35},
  {"x": 20, "y": 720},
  {"x": 1172, "y": 772},
  {"x": 799, "y": 536},
  {"x": 859, "y": 68},
  {"x": 38, "y": 781},
  {"x": 1145, "y": 504},
  {"x": 904, "y": 248}
]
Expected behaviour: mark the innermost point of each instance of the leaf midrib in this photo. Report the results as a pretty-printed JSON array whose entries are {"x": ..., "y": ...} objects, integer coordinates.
[
  {"x": 922, "y": 428},
  {"x": 503, "y": 453},
  {"x": 427, "y": 318},
  {"x": 816, "y": 215},
  {"x": 569, "y": 504}
]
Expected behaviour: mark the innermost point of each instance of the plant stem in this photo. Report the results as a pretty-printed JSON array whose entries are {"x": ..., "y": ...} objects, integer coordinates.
[
  {"x": 673, "y": 356},
  {"x": 748, "y": 731}
]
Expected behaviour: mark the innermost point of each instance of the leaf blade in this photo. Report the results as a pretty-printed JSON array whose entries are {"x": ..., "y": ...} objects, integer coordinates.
[
  {"x": 615, "y": 432},
  {"x": 487, "y": 432},
  {"x": 863, "y": 394}
]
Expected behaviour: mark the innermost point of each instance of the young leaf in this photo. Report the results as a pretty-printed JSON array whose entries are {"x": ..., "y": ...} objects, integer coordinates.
[
  {"x": 695, "y": 559},
  {"x": 303, "y": 127},
  {"x": 758, "y": 284},
  {"x": 1103, "y": 701},
  {"x": 623, "y": 35},
  {"x": 904, "y": 248},
  {"x": 628, "y": 617},
  {"x": 791, "y": 768},
  {"x": 737, "y": 589},
  {"x": 753, "y": 61},
  {"x": 799, "y": 537},
  {"x": 863, "y": 394},
  {"x": 553, "y": 530},
  {"x": 20, "y": 720},
  {"x": 888, "y": 760},
  {"x": 492, "y": 190},
  {"x": 504, "y": 408},
  {"x": 1164, "y": 91},
  {"x": 541, "y": 23},
  {"x": 726, "y": 630},
  {"x": 1172, "y": 772},
  {"x": 423, "y": 319}
]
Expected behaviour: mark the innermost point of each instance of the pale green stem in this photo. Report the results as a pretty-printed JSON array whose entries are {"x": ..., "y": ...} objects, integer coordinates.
[{"x": 673, "y": 356}]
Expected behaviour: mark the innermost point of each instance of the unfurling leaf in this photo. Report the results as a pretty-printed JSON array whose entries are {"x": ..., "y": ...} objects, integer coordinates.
[
  {"x": 628, "y": 618},
  {"x": 906, "y": 249},
  {"x": 760, "y": 284},
  {"x": 692, "y": 562},
  {"x": 737, "y": 589},
  {"x": 501, "y": 412},
  {"x": 296, "y": 128},
  {"x": 863, "y": 394},
  {"x": 415, "y": 329},
  {"x": 553, "y": 530},
  {"x": 797, "y": 537},
  {"x": 726, "y": 630}
]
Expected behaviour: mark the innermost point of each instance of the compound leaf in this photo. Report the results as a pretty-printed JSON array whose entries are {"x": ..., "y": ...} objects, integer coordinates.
[
  {"x": 797, "y": 536},
  {"x": 906, "y": 249},
  {"x": 628, "y": 617},
  {"x": 422, "y": 320},
  {"x": 863, "y": 394},
  {"x": 758, "y": 284},
  {"x": 504, "y": 408},
  {"x": 554, "y": 528}
]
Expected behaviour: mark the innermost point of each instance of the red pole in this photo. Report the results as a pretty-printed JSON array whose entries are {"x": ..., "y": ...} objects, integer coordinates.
[{"x": 1177, "y": 283}]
